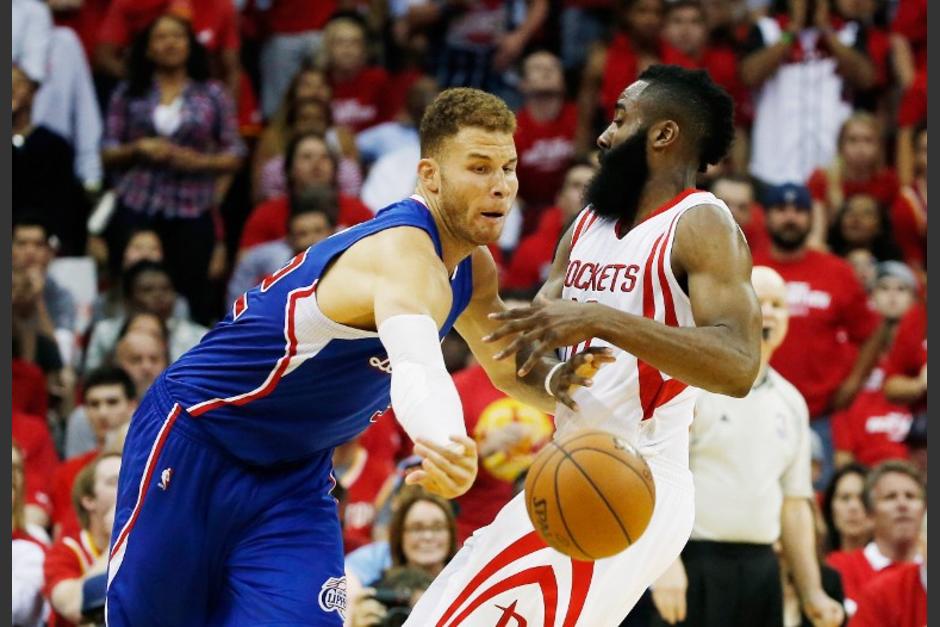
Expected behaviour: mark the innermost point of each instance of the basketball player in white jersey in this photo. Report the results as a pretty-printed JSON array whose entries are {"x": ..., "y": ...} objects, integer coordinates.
[{"x": 660, "y": 274}]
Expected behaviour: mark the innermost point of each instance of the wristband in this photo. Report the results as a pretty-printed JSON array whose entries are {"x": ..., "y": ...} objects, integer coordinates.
[{"x": 548, "y": 378}]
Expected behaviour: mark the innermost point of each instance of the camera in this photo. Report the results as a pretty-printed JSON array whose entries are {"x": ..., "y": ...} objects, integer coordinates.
[{"x": 397, "y": 602}]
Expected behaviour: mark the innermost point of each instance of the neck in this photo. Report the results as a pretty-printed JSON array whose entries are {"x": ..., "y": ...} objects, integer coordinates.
[
  {"x": 454, "y": 248},
  {"x": 851, "y": 543},
  {"x": 170, "y": 76},
  {"x": 786, "y": 255},
  {"x": 904, "y": 551},
  {"x": 662, "y": 187},
  {"x": 544, "y": 108},
  {"x": 857, "y": 172},
  {"x": 100, "y": 535},
  {"x": 22, "y": 120}
]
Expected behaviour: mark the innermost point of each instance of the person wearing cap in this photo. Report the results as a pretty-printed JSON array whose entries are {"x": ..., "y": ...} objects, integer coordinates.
[
  {"x": 835, "y": 338},
  {"x": 750, "y": 461},
  {"x": 874, "y": 429}
]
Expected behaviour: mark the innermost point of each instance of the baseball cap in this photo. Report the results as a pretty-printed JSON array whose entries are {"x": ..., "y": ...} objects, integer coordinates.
[
  {"x": 786, "y": 194},
  {"x": 897, "y": 270}
]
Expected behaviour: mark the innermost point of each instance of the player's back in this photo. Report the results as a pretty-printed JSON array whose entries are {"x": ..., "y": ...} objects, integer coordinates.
[{"x": 276, "y": 380}]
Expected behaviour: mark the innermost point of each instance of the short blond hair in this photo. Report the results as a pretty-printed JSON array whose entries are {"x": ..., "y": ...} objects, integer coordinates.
[{"x": 461, "y": 107}]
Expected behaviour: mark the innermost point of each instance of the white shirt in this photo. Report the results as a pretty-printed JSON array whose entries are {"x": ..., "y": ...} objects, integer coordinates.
[
  {"x": 746, "y": 455},
  {"x": 32, "y": 27}
]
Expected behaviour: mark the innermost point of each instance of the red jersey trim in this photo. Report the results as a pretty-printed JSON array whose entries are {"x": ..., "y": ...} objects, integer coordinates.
[{"x": 619, "y": 230}]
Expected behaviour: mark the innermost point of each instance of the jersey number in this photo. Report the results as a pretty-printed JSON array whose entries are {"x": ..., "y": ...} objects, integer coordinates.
[{"x": 241, "y": 303}]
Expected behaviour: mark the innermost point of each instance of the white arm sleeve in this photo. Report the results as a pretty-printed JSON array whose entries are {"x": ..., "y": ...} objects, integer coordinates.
[{"x": 424, "y": 398}]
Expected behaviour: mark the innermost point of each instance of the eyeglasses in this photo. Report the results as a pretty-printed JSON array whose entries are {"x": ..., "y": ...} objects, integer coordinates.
[{"x": 434, "y": 529}]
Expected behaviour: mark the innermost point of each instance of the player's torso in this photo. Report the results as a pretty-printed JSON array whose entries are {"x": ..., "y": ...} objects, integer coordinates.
[
  {"x": 277, "y": 380},
  {"x": 631, "y": 271}
]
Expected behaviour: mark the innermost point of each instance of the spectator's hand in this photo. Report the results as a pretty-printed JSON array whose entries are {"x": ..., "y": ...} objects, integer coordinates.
[
  {"x": 508, "y": 50},
  {"x": 823, "y": 611},
  {"x": 577, "y": 372},
  {"x": 923, "y": 378},
  {"x": 846, "y": 392},
  {"x": 186, "y": 159},
  {"x": 156, "y": 149},
  {"x": 447, "y": 471},
  {"x": 821, "y": 18},
  {"x": 669, "y": 593},
  {"x": 217, "y": 262},
  {"x": 365, "y": 610}
]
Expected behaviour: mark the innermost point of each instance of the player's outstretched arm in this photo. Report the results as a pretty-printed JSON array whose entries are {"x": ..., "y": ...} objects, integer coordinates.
[{"x": 720, "y": 354}]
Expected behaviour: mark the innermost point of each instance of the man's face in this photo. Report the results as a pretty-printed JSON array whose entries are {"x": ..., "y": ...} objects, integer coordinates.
[
  {"x": 897, "y": 508},
  {"x": 153, "y": 292},
  {"x": 893, "y": 297},
  {"x": 30, "y": 248},
  {"x": 144, "y": 245},
  {"x": 771, "y": 293},
  {"x": 685, "y": 30},
  {"x": 789, "y": 225},
  {"x": 478, "y": 183},
  {"x": 644, "y": 19},
  {"x": 307, "y": 229},
  {"x": 347, "y": 47},
  {"x": 108, "y": 408},
  {"x": 105, "y": 488},
  {"x": 143, "y": 357},
  {"x": 571, "y": 195},
  {"x": 312, "y": 164},
  {"x": 738, "y": 196},
  {"x": 860, "y": 145},
  {"x": 542, "y": 75}
]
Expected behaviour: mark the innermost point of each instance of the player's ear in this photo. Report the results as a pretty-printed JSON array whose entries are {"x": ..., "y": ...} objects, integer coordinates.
[
  {"x": 663, "y": 134},
  {"x": 429, "y": 175}
]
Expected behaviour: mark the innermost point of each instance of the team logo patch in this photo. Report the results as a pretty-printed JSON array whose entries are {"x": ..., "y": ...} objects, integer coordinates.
[
  {"x": 333, "y": 596},
  {"x": 165, "y": 477}
]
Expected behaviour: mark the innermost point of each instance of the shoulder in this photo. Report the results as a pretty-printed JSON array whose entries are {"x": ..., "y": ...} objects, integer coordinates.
[{"x": 789, "y": 395}]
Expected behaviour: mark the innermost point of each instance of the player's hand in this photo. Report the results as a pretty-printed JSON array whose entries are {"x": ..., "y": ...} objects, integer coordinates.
[
  {"x": 541, "y": 327},
  {"x": 578, "y": 372},
  {"x": 823, "y": 611},
  {"x": 366, "y": 611},
  {"x": 669, "y": 593},
  {"x": 447, "y": 471}
]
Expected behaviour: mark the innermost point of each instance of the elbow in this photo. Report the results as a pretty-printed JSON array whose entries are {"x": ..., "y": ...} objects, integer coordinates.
[{"x": 739, "y": 379}]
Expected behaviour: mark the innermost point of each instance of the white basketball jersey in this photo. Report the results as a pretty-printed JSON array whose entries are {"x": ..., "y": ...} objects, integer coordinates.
[{"x": 631, "y": 270}]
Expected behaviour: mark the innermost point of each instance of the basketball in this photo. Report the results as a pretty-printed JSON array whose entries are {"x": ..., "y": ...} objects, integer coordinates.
[{"x": 590, "y": 494}]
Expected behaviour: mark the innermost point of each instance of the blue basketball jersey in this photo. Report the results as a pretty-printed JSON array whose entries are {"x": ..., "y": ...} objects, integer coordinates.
[{"x": 277, "y": 380}]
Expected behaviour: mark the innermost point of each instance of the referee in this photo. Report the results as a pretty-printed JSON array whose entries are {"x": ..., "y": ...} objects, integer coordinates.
[{"x": 750, "y": 460}]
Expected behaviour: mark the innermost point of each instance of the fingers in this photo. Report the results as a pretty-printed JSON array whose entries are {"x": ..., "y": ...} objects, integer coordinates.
[
  {"x": 539, "y": 349},
  {"x": 513, "y": 327},
  {"x": 512, "y": 314}
]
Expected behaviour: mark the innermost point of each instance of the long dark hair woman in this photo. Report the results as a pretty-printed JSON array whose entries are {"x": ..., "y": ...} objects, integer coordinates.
[{"x": 170, "y": 138}]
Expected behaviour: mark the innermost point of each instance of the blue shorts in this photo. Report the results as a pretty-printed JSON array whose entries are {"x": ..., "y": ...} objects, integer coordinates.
[{"x": 201, "y": 539}]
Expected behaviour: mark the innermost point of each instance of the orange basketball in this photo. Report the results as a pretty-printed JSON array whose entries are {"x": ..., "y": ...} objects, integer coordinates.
[{"x": 590, "y": 494}]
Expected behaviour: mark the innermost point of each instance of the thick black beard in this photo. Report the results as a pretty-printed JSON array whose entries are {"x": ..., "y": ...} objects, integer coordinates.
[
  {"x": 789, "y": 245},
  {"x": 615, "y": 190}
]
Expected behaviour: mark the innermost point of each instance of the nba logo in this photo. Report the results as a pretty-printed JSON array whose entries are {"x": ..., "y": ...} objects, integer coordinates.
[
  {"x": 333, "y": 596},
  {"x": 165, "y": 477}
]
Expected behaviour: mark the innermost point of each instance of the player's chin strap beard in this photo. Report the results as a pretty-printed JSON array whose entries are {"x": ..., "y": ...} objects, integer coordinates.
[{"x": 615, "y": 190}]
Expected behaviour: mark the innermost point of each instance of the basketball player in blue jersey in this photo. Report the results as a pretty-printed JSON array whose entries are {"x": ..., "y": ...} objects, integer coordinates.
[{"x": 224, "y": 514}]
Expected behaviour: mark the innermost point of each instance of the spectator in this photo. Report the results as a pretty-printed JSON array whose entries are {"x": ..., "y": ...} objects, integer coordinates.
[
  {"x": 635, "y": 46},
  {"x": 873, "y": 429},
  {"x": 390, "y": 602},
  {"x": 308, "y": 163},
  {"x": 295, "y": 35},
  {"x": 876, "y": 44},
  {"x": 897, "y": 599},
  {"x": 545, "y": 130},
  {"x": 110, "y": 401},
  {"x": 582, "y": 21},
  {"x": 312, "y": 220},
  {"x": 43, "y": 174},
  {"x": 728, "y": 573},
  {"x": 895, "y": 500},
  {"x": 864, "y": 265},
  {"x": 906, "y": 366},
  {"x": 147, "y": 288},
  {"x": 858, "y": 169},
  {"x": 791, "y": 54},
  {"x": 215, "y": 20},
  {"x": 848, "y": 526},
  {"x": 32, "y": 28},
  {"x": 32, "y": 334},
  {"x": 360, "y": 477},
  {"x": 863, "y": 223},
  {"x": 27, "y": 556},
  {"x": 66, "y": 104},
  {"x": 912, "y": 114},
  {"x": 738, "y": 193},
  {"x": 827, "y": 304},
  {"x": 31, "y": 435},
  {"x": 401, "y": 131},
  {"x": 909, "y": 211},
  {"x": 28, "y": 385},
  {"x": 74, "y": 560},
  {"x": 532, "y": 259},
  {"x": 170, "y": 134}
]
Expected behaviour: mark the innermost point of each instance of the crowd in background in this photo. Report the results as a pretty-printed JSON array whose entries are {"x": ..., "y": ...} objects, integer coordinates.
[{"x": 169, "y": 154}]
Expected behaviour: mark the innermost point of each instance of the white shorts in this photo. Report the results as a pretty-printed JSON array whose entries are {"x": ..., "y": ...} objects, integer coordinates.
[{"x": 505, "y": 574}]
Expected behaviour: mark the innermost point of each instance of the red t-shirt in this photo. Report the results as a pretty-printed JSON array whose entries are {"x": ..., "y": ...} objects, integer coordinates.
[
  {"x": 897, "y": 599},
  {"x": 361, "y": 101},
  {"x": 532, "y": 260},
  {"x": 545, "y": 150},
  {"x": 883, "y": 186},
  {"x": 297, "y": 16},
  {"x": 40, "y": 460},
  {"x": 755, "y": 232},
  {"x": 872, "y": 428},
  {"x": 29, "y": 388},
  {"x": 908, "y": 354},
  {"x": 857, "y": 572},
  {"x": 357, "y": 509},
  {"x": 485, "y": 407},
  {"x": 829, "y": 318},
  {"x": 909, "y": 223},
  {"x": 214, "y": 21},
  {"x": 910, "y": 20},
  {"x": 69, "y": 558},
  {"x": 268, "y": 221},
  {"x": 85, "y": 21},
  {"x": 912, "y": 110},
  {"x": 63, "y": 512}
]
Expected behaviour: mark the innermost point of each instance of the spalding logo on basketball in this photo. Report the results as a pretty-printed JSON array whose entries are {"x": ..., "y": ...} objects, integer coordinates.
[
  {"x": 590, "y": 494},
  {"x": 536, "y": 426}
]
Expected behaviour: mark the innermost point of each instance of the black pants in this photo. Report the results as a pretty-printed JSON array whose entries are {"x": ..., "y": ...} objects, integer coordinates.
[{"x": 731, "y": 585}]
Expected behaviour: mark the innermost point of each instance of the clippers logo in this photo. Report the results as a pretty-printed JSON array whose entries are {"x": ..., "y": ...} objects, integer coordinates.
[
  {"x": 333, "y": 596},
  {"x": 509, "y": 613},
  {"x": 383, "y": 365}
]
